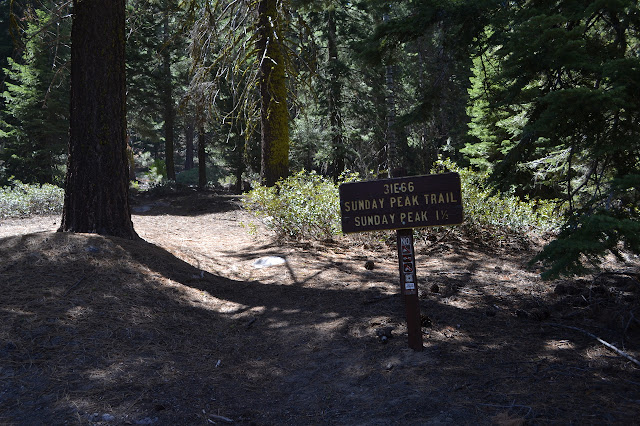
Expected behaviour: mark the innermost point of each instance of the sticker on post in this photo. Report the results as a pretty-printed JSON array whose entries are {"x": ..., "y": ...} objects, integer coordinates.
[
  {"x": 408, "y": 278},
  {"x": 409, "y": 286}
]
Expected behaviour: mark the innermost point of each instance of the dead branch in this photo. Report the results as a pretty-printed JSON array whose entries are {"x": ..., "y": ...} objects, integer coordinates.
[
  {"x": 74, "y": 286},
  {"x": 608, "y": 345},
  {"x": 219, "y": 418}
]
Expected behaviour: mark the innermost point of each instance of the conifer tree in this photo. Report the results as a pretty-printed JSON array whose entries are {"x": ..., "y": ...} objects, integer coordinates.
[
  {"x": 242, "y": 45},
  {"x": 34, "y": 122},
  {"x": 156, "y": 74},
  {"x": 97, "y": 183},
  {"x": 570, "y": 74},
  {"x": 274, "y": 111},
  {"x": 432, "y": 41}
]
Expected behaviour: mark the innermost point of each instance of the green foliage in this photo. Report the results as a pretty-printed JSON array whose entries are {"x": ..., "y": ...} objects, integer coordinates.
[
  {"x": 484, "y": 207},
  {"x": 157, "y": 74},
  {"x": 555, "y": 112},
  {"x": 610, "y": 226},
  {"x": 586, "y": 241},
  {"x": 302, "y": 206},
  {"x": 20, "y": 200},
  {"x": 190, "y": 177},
  {"x": 34, "y": 120},
  {"x": 307, "y": 206}
]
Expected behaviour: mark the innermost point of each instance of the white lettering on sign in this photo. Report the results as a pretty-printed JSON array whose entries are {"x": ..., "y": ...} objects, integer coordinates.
[
  {"x": 376, "y": 219},
  {"x": 356, "y": 205},
  {"x": 410, "y": 217},
  {"x": 397, "y": 188}
]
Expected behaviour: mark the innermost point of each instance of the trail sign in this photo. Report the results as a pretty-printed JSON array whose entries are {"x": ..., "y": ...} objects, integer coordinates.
[{"x": 402, "y": 204}]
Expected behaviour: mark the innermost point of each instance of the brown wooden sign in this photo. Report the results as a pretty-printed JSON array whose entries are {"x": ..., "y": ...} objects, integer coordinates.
[{"x": 401, "y": 203}]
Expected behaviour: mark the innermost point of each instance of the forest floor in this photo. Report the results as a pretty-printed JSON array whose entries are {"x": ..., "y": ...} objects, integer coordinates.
[{"x": 180, "y": 328}]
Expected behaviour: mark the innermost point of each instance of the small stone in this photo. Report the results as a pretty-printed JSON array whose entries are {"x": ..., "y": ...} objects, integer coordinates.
[
  {"x": 267, "y": 261},
  {"x": 108, "y": 418},
  {"x": 369, "y": 265},
  {"x": 384, "y": 334}
]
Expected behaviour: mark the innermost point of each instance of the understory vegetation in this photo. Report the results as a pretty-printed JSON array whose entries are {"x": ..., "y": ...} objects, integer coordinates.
[
  {"x": 306, "y": 206},
  {"x": 535, "y": 104},
  {"x": 21, "y": 200}
]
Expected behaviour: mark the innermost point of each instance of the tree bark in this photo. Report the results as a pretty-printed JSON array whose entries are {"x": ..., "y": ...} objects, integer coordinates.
[
  {"x": 335, "y": 98},
  {"x": 392, "y": 139},
  {"x": 274, "y": 114},
  {"x": 97, "y": 181},
  {"x": 167, "y": 97},
  {"x": 202, "y": 158},
  {"x": 189, "y": 133}
]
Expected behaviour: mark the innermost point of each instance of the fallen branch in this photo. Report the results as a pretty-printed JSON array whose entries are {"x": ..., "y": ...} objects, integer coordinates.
[
  {"x": 219, "y": 418},
  {"x": 609, "y": 345},
  {"x": 74, "y": 286}
]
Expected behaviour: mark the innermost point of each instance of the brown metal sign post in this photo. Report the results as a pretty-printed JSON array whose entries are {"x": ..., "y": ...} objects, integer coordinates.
[
  {"x": 403, "y": 204},
  {"x": 409, "y": 287}
]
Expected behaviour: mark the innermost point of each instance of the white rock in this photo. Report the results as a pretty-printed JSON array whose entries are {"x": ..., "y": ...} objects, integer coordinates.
[{"x": 265, "y": 262}]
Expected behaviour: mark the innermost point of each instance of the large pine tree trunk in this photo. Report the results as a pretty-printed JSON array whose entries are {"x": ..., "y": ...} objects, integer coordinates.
[
  {"x": 97, "y": 182},
  {"x": 274, "y": 114}
]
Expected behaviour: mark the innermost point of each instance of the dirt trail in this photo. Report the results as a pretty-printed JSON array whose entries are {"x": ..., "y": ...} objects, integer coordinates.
[{"x": 180, "y": 328}]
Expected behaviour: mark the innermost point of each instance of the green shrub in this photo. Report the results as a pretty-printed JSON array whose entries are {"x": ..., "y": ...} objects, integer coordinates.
[
  {"x": 306, "y": 206},
  {"x": 20, "y": 200},
  {"x": 483, "y": 207},
  {"x": 303, "y": 206}
]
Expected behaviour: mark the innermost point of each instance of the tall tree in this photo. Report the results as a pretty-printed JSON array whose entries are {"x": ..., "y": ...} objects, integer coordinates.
[
  {"x": 156, "y": 76},
  {"x": 274, "y": 113},
  {"x": 34, "y": 122},
  {"x": 243, "y": 45},
  {"x": 97, "y": 183},
  {"x": 167, "y": 93},
  {"x": 6, "y": 40},
  {"x": 434, "y": 39},
  {"x": 334, "y": 95},
  {"x": 393, "y": 162},
  {"x": 569, "y": 74}
]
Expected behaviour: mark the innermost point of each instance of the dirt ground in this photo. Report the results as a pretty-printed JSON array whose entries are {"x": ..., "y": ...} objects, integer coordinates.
[{"x": 180, "y": 328}]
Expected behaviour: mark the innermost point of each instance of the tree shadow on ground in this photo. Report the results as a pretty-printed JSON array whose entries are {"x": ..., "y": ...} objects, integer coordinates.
[{"x": 94, "y": 327}]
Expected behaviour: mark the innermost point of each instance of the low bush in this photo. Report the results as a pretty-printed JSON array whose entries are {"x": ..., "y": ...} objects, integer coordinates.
[
  {"x": 21, "y": 200},
  {"x": 302, "y": 206},
  {"x": 484, "y": 207},
  {"x": 306, "y": 206}
]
